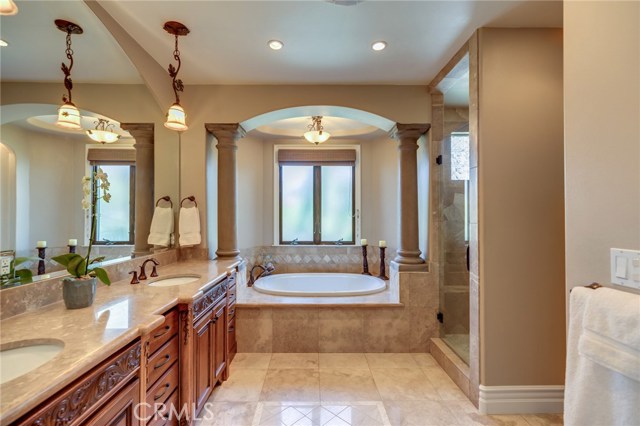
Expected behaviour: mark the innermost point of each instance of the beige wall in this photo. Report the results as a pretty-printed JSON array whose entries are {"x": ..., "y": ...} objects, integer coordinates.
[
  {"x": 521, "y": 215},
  {"x": 7, "y": 197},
  {"x": 602, "y": 135},
  {"x": 251, "y": 213}
]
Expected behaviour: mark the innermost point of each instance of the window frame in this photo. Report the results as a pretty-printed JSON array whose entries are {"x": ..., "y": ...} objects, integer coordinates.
[
  {"x": 132, "y": 204},
  {"x": 277, "y": 199}
]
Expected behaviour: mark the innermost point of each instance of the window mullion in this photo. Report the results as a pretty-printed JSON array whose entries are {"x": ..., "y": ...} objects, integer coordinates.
[{"x": 317, "y": 205}]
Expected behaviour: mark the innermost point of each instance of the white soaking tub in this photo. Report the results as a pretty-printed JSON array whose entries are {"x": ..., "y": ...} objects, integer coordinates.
[{"x": 332, "y": 285}]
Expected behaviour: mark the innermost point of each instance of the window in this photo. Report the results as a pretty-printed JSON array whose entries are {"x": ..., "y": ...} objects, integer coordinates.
[
  {"x": 317, "y": 196},
  {"x": 115, "y": 219}
]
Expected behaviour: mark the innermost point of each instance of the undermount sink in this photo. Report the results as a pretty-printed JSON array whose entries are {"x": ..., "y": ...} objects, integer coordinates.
[
  {"x": 19, "y": 358},
  {"x": 175, "y": 280}
]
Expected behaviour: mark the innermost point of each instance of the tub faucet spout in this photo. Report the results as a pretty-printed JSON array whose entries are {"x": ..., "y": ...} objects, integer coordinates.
[{"x": 267, "y": 269}]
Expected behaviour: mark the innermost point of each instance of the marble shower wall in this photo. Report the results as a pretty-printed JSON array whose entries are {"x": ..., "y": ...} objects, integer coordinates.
[
  {"x": 344, "y": 328},
  {"x": 289, "y": 259}
]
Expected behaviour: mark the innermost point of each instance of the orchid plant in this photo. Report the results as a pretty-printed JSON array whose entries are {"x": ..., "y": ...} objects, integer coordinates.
[{"x": 94, "y": 190}]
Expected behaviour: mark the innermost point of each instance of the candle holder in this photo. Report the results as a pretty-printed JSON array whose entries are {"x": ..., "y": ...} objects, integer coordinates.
[
  {"x": 365, "y": 262},
  {"x": 72, "y": 249},
  {"x": 41, "y": 254},
  {"x": 383, "y": 268}
]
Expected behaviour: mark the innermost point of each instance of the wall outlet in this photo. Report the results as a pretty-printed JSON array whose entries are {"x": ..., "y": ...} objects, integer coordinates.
[{"x": 625, "y": 267}]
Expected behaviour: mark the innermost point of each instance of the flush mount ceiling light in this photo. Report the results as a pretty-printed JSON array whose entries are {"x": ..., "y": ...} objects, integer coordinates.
[
  {"x": 379, "y": 45},
  {"x": 68, "y": 113},
  {"x": 3, "y": 43},
  {"x": 103, "y": 132},
  {"x": 176, "y": 117},
  {"x": 275, "y": 44},
  {"x": 316, "y": 134},
  {"x": 8, "y": 7}
]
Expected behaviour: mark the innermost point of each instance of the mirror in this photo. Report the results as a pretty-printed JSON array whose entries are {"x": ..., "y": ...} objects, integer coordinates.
[{"x": 41, "y": 169}]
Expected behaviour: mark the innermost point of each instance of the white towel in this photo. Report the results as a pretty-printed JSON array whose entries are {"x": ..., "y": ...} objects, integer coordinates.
[
  {"x": 189, "y": 226},
  {"x": 594, "y": 393},
  {"x": 161, "y": 227}
]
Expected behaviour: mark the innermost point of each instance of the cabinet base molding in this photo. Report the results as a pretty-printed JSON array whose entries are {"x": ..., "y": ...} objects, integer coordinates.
[{"x": 521, "y": 399}]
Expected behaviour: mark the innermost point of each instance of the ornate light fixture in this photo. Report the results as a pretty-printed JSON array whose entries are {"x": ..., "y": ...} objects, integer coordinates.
[
  {"x": 316, "y": 134},
  {"x": 176, "y": 117},
  {"x": 8, "y": 7},
  {"x": 103, "y": 132},
  {"x": 68, "y": 113}
]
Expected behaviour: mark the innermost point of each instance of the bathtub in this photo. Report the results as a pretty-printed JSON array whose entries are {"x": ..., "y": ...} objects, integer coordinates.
[{"x": 323, "y": 284}]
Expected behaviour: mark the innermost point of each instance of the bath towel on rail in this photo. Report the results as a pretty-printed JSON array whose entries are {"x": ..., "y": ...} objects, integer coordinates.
[
  {"x": 603, "y": 358},
  {"x": 161, "y": 227},
  {"x": 189, "y": 226}
]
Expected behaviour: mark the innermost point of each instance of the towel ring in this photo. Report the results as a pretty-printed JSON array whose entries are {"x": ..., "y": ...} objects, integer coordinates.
[
  {"x": 165, "y": 198},
  {"x": 190, "y": 198}
]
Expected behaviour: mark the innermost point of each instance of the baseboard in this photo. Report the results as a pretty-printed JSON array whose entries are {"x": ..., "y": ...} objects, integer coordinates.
[{"x": 521, "y": 399}]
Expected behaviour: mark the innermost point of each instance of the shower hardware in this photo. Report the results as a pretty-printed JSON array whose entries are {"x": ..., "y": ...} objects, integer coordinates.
[
  {"x": 267, "y": 269},
  {"x": 439, "y": 160}
]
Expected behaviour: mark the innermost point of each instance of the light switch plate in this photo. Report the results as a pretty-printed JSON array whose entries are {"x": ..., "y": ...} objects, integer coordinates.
[{"x": 625, "y": 267}]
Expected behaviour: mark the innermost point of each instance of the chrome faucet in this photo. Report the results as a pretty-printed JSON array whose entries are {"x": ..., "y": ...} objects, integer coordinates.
[
  {"x": 294, "y": 242},
  {"x": 143, "y": 267},
  {"x": 339, "y": 242},
  {"x": 267, "y": 269}
]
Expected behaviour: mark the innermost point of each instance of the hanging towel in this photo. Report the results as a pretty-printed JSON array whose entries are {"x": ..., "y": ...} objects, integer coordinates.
[
  {"x": 601, "y": 386},
  {"x": 161, "y": 227},
  {"x": 189, "y": 226}
]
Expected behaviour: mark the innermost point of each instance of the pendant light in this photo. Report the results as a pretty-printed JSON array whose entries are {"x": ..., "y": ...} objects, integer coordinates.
[
  {"x": 316, "y": 134},
  {"x": 68, "y": 113},
  {"x": 176, "y": 117},
  {"x": 8, "y": 7},
  {"x": 103, "y": 132}
]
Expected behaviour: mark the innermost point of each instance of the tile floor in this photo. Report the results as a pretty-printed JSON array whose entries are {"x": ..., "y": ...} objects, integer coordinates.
[{"x": 311, "y": 389}]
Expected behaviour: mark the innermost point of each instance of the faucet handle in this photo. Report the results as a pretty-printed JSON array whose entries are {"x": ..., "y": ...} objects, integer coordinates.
[{"x": 134, "y": 279}]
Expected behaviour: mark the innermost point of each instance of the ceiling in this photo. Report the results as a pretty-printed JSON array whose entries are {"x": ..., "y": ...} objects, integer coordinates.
[
  {"x": 337, "y": 127},
  {"x": 324, "y": 43}
]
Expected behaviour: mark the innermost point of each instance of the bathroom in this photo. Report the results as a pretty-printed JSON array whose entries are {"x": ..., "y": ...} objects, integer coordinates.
[{"x": 458, "y": 334}]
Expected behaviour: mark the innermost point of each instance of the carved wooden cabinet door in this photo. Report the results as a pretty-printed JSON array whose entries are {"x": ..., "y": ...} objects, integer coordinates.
[
  {"x": 121, "y": 410},
  {"x": 204, "y": 334},
  {"x": 220, "y": 339}
]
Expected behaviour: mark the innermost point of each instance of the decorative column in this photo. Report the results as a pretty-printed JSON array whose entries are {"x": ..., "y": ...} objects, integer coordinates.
[
  {"x": 407, "y": 135},
  {"x": 227, "y": 135},
  {"x": 143, "y": 134}
]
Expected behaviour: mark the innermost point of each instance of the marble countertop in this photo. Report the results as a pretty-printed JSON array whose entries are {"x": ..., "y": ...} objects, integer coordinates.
[{"x": 120, "y": 314}]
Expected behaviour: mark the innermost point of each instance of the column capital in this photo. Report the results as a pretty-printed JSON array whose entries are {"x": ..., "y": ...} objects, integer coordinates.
[
  {"x": 141, "y": 132},
  {"x": 408, "y": 131},
  {"x": 226, "y": 133}
]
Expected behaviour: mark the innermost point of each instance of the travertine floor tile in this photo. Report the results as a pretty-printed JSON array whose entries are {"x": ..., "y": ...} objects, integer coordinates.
[
  {"x": 403, "y": 384},
  {"x": 251, "y": 360},
  {"x": 347, "y": 385},
  {"x": 294, "y": 384},
  {"x": 466, "y": 414},
  {"x": 243, "y": 385},
  {"x": 296, "y": 360},
  {"x": 227, "y": 414},
  {"x": 425, "y": 360},
  {"x": 419, "y": 413},
  {"x": 544, "y": 419},
  {"x": 343, "y": 360},
  {"x": 386, "y": 360},
  {"x": 446, "y": 388}
]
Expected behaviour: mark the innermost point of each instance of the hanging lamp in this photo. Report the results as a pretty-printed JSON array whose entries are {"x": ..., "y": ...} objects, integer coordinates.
[
  {"x": 176, "y": 117},
  {"x": 315, "y": 133},
  {"x": 8, "y": 7},
  {"x": 103, "y": 133},
  {"x": 68, "y": 113}
]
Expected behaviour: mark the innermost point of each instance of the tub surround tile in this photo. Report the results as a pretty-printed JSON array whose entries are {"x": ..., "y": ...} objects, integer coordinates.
[
  {"x": 340, "y": 330},
  {"x": 294, "y": 384},
  {"x": 347, "y": 384},
  {"x": 295, "y": 330},
  {"x": 294, "y": 360},
  {"x": 254, "y": 330},
  {"x": 86, "y": 333},
  {"x": 343, "y": 360},
  {"x": 387, "y": 330}
]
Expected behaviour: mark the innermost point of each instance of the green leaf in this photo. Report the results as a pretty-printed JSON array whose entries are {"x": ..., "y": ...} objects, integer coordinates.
[
  {"x": 74, "y": 263},
  {"x": 102, "y": 275},
  {"x": 81, "y": 269},
  {"x": 25, "y": 275},
  {"x": 64, "y": 259},
  {"x": 97, "y": 259}
]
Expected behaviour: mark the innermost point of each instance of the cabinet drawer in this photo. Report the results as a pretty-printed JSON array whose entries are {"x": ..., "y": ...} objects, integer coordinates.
[
  {"x": 209, "y": 299},
  {"x": 231, "y": 279},
  {"x": 231, "y": 331},
  {"x": 165, "y": 332},
  {"x": 167, "y": 413},
  {"x": 232, "y": 295},
  {"x": 160, "y": 362},
  {"x": 164, "y": 387},
  {"x": 231, "y": 313}
]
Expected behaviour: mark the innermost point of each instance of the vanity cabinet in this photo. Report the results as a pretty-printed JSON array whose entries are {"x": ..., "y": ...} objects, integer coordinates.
[
  {"x": 106, "y": 395},
  {"x": 232, "y": 345}
]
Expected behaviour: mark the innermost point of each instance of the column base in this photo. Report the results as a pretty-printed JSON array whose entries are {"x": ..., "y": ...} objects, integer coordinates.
[
  {"x": 409, "y": 267},
  {"x": 228, "y": 254},
  {"x": 140, "y": 253}
]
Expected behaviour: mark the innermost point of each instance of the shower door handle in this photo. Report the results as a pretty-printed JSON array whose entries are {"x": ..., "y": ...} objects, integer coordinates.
[{"x": 468, "y": 260}]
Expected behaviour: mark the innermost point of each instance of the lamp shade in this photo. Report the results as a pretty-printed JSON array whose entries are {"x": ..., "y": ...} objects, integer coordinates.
[
  {"x": 176, "y": 118},
  {"x": 317, "y": 136},
  {"x": 68, "y": 117},
  {"x": 8, "y": 7},
  {"x": 103, "y": 136}
]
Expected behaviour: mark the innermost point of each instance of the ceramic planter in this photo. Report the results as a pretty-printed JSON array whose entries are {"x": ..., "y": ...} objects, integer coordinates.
[{"x": 79, "y": 292}]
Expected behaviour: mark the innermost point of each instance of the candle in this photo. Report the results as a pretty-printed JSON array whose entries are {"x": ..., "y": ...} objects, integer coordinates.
[
  {"x": 382, "y": 243},
  {"x": 73, "y": 242},
  {"x": 41, "y": 244},
  {"x": 363, "y": 242}
]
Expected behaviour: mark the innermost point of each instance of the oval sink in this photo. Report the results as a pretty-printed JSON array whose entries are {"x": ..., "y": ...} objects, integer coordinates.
[
  {"x": 174, "y": 280},
  {"x": 22, "y": 357}
]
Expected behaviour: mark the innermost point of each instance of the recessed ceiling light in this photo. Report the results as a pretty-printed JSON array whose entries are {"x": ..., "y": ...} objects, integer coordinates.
[
  {"x": 275, "y": 44},
  {"x": 3, "y": 43},
  {"x": 379, "y": 45}
]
